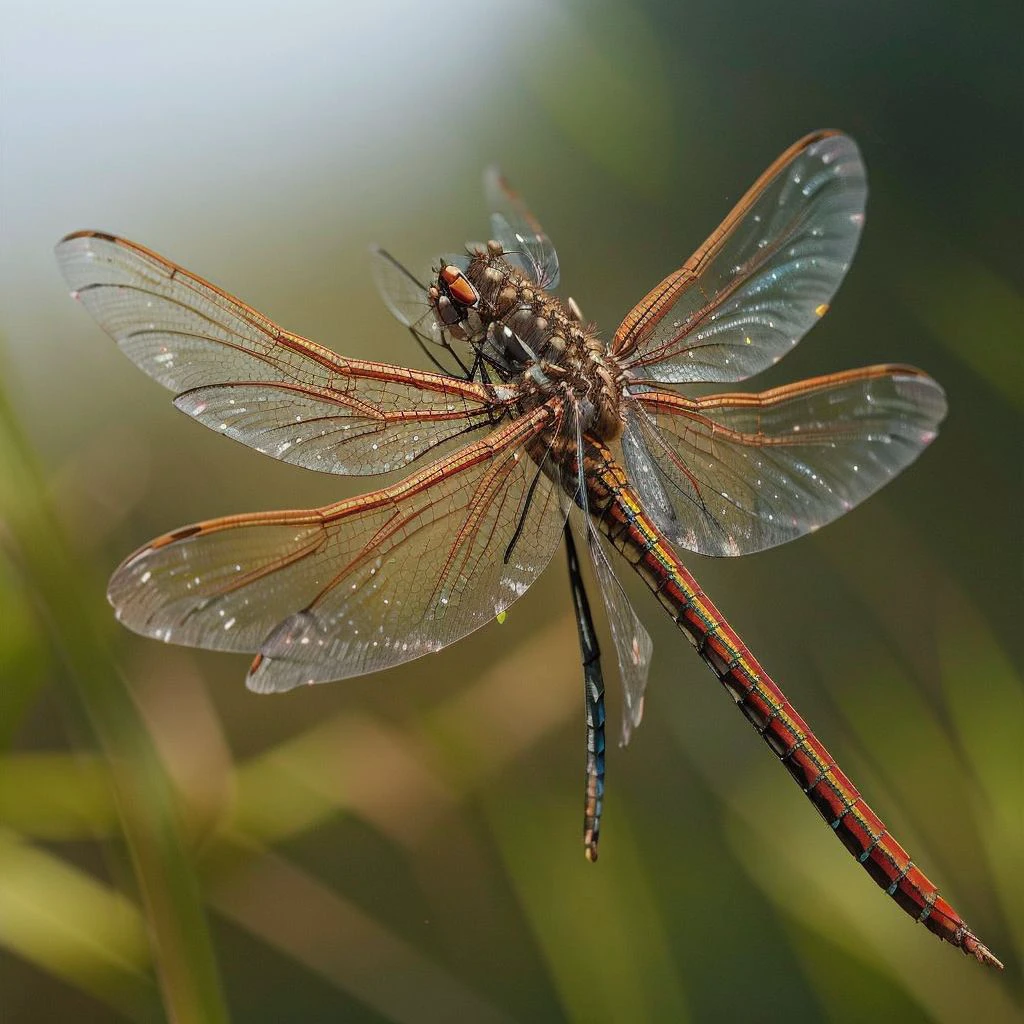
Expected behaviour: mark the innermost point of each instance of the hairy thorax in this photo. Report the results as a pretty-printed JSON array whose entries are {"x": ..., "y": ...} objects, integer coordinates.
[{"x": 523, "y": 336}]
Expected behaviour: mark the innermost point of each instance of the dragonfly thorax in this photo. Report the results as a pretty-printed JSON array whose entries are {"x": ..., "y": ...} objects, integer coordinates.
[{"x": 522, "y": 335}]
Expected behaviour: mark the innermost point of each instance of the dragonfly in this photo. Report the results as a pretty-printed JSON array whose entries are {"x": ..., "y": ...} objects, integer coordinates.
[{"x": 529, "y": 419}]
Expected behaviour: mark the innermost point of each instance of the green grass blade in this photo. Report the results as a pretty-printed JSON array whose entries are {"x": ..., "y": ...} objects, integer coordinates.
[{"x": 68, "y": 600}]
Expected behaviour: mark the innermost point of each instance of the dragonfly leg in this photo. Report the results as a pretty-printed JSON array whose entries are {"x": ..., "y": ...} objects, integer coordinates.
[{"x": 593, "y": 691}]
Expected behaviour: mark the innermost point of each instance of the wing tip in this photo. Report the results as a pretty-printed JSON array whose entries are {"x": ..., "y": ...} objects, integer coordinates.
[
  {"x": 86, "y": 235},
  {"x": 261, "y": 679},
  {"x": 256, "y": 677},
  {"x": 911, "y": 377},
  {"x": 104, "y": 236}
]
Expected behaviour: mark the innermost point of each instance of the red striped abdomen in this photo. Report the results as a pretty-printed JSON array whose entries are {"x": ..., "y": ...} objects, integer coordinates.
[{"x": 617, "y": 512}]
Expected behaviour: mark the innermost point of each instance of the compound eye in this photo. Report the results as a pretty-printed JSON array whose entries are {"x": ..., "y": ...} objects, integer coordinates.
[{"x": 457, "y": 285}]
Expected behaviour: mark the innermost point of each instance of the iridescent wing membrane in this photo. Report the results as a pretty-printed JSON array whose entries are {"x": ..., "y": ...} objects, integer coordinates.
[
  {"x": 354, "y": 587},
  {"x": 242, "y": 375},
  {"x": 525, "y": 242},
  {"x": 736, "y": 473},
  {"x": 761, "y": 279},
  {"x": 368, "y": 583}
]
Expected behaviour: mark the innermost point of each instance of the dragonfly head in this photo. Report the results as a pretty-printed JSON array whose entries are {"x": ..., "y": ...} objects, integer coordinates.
[{"x": 453, "y": 296}]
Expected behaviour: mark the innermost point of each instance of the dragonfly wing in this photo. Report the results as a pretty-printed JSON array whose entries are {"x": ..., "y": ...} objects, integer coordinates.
[
  {"x": 404, "y": 294},
  {"x": 362, "y": 585},
  {"x": 733, "y": 474},
  {"x": 633, "y": 644},
  {"x": 525, "y": 243},
  {"x": 242, "y": 375},
  {"x": 762, "y": 278}
]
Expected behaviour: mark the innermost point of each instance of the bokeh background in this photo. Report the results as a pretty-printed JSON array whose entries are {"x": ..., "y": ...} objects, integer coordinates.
[{"x": 406, "y": 847}]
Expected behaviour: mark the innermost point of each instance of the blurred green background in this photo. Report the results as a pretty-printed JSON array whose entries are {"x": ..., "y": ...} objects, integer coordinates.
[{"x": 406, "y": 847}]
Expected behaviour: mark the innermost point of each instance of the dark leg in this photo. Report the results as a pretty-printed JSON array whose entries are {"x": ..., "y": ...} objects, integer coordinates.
[{"x": 593, "y": 683}]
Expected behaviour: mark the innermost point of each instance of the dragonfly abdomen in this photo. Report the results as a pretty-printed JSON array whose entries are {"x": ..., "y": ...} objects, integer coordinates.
[{"x": 620, "y": 516}]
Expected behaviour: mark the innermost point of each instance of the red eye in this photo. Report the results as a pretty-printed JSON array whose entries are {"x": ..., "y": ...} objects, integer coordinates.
[{"x": 458, "y": 287}]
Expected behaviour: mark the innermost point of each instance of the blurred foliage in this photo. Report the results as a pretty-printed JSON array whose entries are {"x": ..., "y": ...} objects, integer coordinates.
[
  {"x": 62, "y": 592},
  {"x": 406, "y": 848}
]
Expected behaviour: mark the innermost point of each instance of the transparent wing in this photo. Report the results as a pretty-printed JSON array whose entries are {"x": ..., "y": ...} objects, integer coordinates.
[
  {"x": 633, "y": 644},
  {"x": 242, "y": 375},
  {"x": 732, "y": 474},
  {"x": 404, "y": 294},
  {"x": 763, "y": 277},
  {"x": 523, "y": 239},
  {"x": 364, "y": 584}
]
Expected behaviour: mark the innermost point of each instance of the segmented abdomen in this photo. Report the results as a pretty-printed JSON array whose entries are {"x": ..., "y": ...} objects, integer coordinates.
[{"x": 619, "y": 515}]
